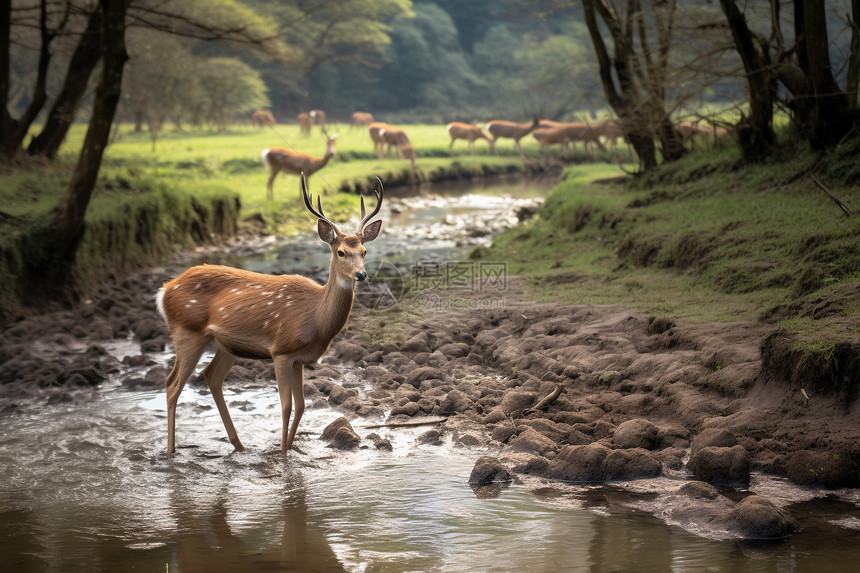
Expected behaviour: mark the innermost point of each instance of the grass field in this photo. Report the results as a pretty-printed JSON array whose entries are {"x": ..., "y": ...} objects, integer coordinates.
[{"x": 206, "y": 161}]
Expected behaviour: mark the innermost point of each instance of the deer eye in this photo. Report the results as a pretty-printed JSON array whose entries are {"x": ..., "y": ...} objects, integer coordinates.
[{"x": 341, "y": 254}]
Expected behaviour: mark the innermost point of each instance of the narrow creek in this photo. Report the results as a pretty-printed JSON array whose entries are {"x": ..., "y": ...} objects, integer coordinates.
[{"x": 86, "y": 486}]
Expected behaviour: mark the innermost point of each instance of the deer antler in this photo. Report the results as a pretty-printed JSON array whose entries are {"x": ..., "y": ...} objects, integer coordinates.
[
  {"x": 366, "y": 219},
  {"x": 318, "y": 212}
]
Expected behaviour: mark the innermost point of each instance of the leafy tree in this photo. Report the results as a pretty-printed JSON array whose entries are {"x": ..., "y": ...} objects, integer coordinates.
[
  {"x": 537, "y": 71},
  {"x": 326, "y": 39},
  {"x": 426, "y": 70},
  {"x": 229, "y": 88}
]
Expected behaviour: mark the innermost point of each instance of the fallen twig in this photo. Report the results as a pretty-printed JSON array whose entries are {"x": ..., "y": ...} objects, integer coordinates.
[
  {"x": 833, "y": 197},
  {"x": 409, "y": 424}
]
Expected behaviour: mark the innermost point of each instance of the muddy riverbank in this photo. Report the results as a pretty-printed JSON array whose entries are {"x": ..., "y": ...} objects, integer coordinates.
[{"x": 558, "y": 394}]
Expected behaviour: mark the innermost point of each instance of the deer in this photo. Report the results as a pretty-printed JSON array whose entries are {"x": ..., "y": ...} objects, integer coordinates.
[
  {"x": 499, "y": 128},
  {"x": 546, "y": 136},
  {"x": 609, "y": 129},
  {"x": 262, "y": 118},
  {"x": 360, "y": 118},
  {"x": 378, "y": 141},
  {"x": 394, "y": 136},
  {"x": 304, "y": 124},
  {"x": 279, "y": 159},
  {"x": 318, "y": 118},
  {"x": 289, "y": 319},
  {"x": 470, "y": 133}
]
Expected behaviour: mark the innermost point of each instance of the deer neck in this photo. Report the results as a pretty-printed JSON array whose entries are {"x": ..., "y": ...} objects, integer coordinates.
[
  {"x": 318, "y": 164},
  {"x": 335, "y": 304}
]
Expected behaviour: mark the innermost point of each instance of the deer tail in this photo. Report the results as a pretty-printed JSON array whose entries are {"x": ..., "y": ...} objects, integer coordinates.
[{"x": 265, "y": 157}]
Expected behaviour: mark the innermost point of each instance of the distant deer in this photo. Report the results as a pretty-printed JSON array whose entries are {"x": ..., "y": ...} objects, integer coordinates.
[
  {"x": 304, "y": 124},
  {"x": 360, "y": 118},
  {"x": 689, "y": 130},
  {"x": 279, "y": 159},
  {"x": 376, "y": 137},
  {"x": 262, "y": 118},
  {"x": 290, "y": 319},
  {"x": 396, "y": 137},
  {"x": 609, "y": 129},
  {"x": 470, "y": 133},
  {"x": 547, "y": 136},
  {"x": 510, "y": 130},
  {"x": 318, "y": 118}
]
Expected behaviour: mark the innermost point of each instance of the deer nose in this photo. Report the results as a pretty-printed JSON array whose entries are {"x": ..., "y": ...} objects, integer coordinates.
[{"x": 360, "y": 275}]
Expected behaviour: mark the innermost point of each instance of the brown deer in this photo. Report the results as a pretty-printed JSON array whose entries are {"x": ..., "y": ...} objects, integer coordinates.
[
  {"x": 241, "y": 314},
  {"x": 609, "y": 129},
  {"x": 470, "y": 133},
  {"x": 279, "y": 159},
  {"x": 360, "y": 118},
  {"x": 396, "y": 137},
  {"x": 499, "y": 128},
  {"x": 547, "y": 136},
  {"x": 262, "y": 118},
  {"x": 318, "y": 118},
  {"x": 378, "y": 141},
  {"x": 304, "y": 124}
]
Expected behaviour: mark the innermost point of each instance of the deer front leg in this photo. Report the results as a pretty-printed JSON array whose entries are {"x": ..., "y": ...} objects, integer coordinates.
[
  {"x": 270, "y": 195},
  {"x": 297, "y": 385},
  {"x": 290, "y": 386}
]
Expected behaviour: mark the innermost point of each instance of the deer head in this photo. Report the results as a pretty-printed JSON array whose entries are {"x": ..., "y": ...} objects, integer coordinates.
[{"x": 347, "y": 251}]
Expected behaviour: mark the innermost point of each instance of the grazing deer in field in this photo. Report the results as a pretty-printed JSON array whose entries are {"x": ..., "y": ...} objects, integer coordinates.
[
  {"x": 376, "y": 137},
  {"x": 304, "y": 124},
  {"x": 609, "y": 129},
  {"x": 396, "y": 137},
  {"x": 279, "y": 159},
  {"x": 547, "y": 136},
  {"x": 470, "y": 133},
  {"x": 290, "y": 319},
  {"x": 508, "y": 129},
  {"x": 318, "y": 118},
  {"x": 360, "y": 118},
  {"x": 262, "y": 118}
]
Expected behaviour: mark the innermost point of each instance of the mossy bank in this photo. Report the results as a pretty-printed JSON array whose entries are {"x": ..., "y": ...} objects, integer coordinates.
[{"x": 131, "y": 223}]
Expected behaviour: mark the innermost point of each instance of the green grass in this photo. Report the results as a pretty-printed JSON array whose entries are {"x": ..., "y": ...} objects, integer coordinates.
[
  {"x": 696, "y": 240},
  {"x": 200, "y": 160}
]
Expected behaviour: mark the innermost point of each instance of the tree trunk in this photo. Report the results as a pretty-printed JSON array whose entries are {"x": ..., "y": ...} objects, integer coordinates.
[
  {"x": 5, "y": 37},
  {"x": 755, "y": 133},
  {"x": 58, "y": 242},
  {"x": 84, "y": 60},
  {"x": 830, "y": 118},
  {"x": 622, "y": 97},
  {"x": 852, "y": 79}
]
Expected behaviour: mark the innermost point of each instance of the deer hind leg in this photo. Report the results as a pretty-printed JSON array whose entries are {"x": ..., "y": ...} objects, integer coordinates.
[
  {"x": 214, "y": 374},
  {"x": 188, "y": 348},
  {"x": 290, "y": 386}
]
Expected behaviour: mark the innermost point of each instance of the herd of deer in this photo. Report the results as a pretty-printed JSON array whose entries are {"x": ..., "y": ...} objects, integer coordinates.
[{"x": 386, "y": 138}]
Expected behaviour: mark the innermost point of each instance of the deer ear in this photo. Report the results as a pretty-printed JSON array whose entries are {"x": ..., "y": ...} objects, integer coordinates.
[
  {"x": 326, "y": 231},
  {"x": 371, "y": 231}
]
